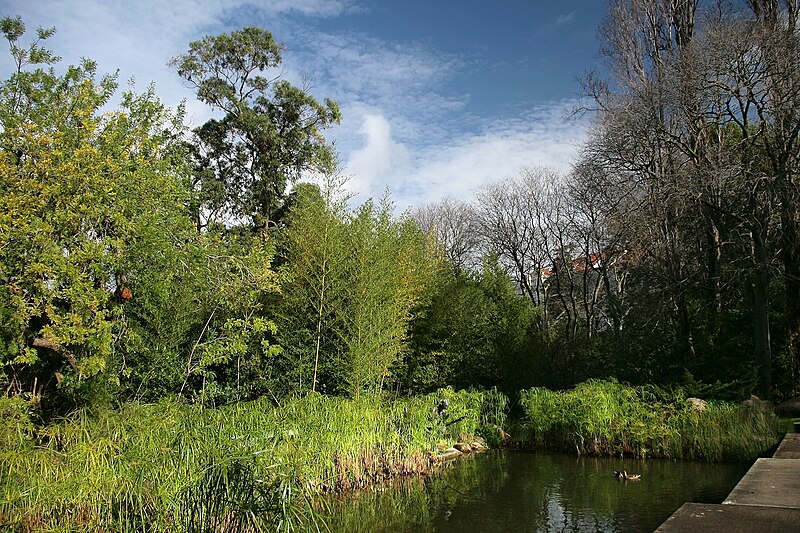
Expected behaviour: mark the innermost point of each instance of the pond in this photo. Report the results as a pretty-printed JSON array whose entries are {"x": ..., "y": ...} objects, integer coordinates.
[{"x": 502, "y": 491}]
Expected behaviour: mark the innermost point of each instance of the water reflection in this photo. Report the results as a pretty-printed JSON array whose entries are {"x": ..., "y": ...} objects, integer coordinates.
[{"x": 536, "y": 491}]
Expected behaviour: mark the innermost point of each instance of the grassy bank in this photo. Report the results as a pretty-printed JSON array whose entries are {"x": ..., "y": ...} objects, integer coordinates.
[
  {"x": 247, "y": 466},
  {"x": 608, "y": 418}
]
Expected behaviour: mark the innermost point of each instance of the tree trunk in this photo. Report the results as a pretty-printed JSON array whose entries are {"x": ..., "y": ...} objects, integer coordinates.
[
  {"x": 790, "y": 258},
  {"x": 41, "y": 342},
  {"x": 713, "y": 261},
  {"x": 761, "y": 330}
]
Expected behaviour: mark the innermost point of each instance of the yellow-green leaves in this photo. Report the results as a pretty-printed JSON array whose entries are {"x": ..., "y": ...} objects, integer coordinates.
[
  {"x": 86, "y": 201},
  {"x": 355, "y": 279}
]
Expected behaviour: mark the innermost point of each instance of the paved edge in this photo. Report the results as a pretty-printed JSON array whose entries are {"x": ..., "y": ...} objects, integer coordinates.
[
  {"x": 731, "y": 518},
  {"x": 766, "y": 499}
]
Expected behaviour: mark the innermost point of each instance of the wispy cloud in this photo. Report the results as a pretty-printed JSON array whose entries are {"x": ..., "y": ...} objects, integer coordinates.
[
  {"x": 139, "y": 38},
  {"x": 404, "y": 131},
  {"x": 311, "y": 8},
  {"x": 551, "y": 26},
  {"x": 563, "y": 19},
  {"x": 403, "y": 127},
  {"x": 457, "y": 168},
  {"x": 397, "y": 80}
]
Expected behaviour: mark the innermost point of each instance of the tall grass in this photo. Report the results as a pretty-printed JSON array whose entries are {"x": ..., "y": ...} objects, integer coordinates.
[
  {"x": 608, "y": 418},
  {"x": 245, "y": 467}
]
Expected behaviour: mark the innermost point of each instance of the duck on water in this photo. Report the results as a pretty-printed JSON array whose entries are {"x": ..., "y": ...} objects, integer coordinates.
[{"x": 625, "y": 476}]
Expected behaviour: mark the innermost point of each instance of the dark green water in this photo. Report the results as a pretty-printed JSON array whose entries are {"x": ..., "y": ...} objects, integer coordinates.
[{"x": 503, "y": 491}]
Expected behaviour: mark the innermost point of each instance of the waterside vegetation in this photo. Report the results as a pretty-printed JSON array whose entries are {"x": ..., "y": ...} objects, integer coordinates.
[
  {"x": 173, "y": 466},
  {"x": 609, "y": 418}
]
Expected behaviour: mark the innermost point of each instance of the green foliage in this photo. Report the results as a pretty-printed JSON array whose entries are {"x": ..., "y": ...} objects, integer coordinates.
[
  {"x": 355, "y": 280},
  {"x": 473, "y": 331},
  {"x": 313, "y": 305},
  {"x": 16, "y": 428},
  {"x": 137, "y": 469},
  {"x": 451, "y": 341},
  {"x": 608, "y": 418},
  {"x": 387, "y": 272},
  {"x": 269, "y": 136},
  {"x": 205, "y": 334},
  {"x": 108, "y": 286},
  {"x": 233, "y": 352},
  {"x": 231, "y": 497}
]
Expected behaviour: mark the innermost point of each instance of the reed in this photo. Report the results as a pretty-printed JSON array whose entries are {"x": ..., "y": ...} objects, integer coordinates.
[
  {"x": 608, "y": 418},
  {"x": 244, "y": 467}
]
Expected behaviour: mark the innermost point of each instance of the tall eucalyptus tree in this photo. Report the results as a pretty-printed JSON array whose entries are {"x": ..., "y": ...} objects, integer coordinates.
[{"x": 269, "y": 134}]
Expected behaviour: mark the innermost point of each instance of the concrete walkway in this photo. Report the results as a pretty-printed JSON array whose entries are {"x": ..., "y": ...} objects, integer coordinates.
[
  {"x": 766, "y": 500},
  {"x": 789, "y": 448}
]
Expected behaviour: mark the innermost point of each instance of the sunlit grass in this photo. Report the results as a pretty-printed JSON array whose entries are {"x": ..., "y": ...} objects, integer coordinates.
[
  {"x": 245, "y": 467},
  {"x": 608, "y": 418}
]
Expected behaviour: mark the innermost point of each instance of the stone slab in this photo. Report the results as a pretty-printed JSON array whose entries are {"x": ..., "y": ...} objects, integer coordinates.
[
  {"x": 789, "y": 447},
  {"x": 769, "y": 482},
  {"x": 731, "y": 519}
]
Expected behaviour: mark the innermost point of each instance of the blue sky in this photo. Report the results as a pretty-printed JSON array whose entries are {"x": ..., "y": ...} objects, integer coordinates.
[{"x": 439, "y": 97}]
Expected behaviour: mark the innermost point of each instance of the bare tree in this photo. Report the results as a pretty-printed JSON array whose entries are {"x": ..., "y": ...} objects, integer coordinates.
[
  {"x": 454, "y": 226},
  {"x": 641, "y": 116},
  {"x": 775, "y": 36},
  {"x": 548, "y": 231},
  {"x": 512, "y": 225},
  {"x": 701, "y": 119},
  {"x": 594, "y": 199}
]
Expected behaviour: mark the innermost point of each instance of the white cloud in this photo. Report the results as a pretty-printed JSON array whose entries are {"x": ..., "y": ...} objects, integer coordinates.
[
  {"x": 378, "y": 158},
  {"x": 554, "y": 26},
  {"x": 138, "y": 38},
  {"x": 458, "y": 168},
  {"x": 311, "y": 8},
  {"x": 457, "y": 165},
  {"x": 403, "y": 80}
]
